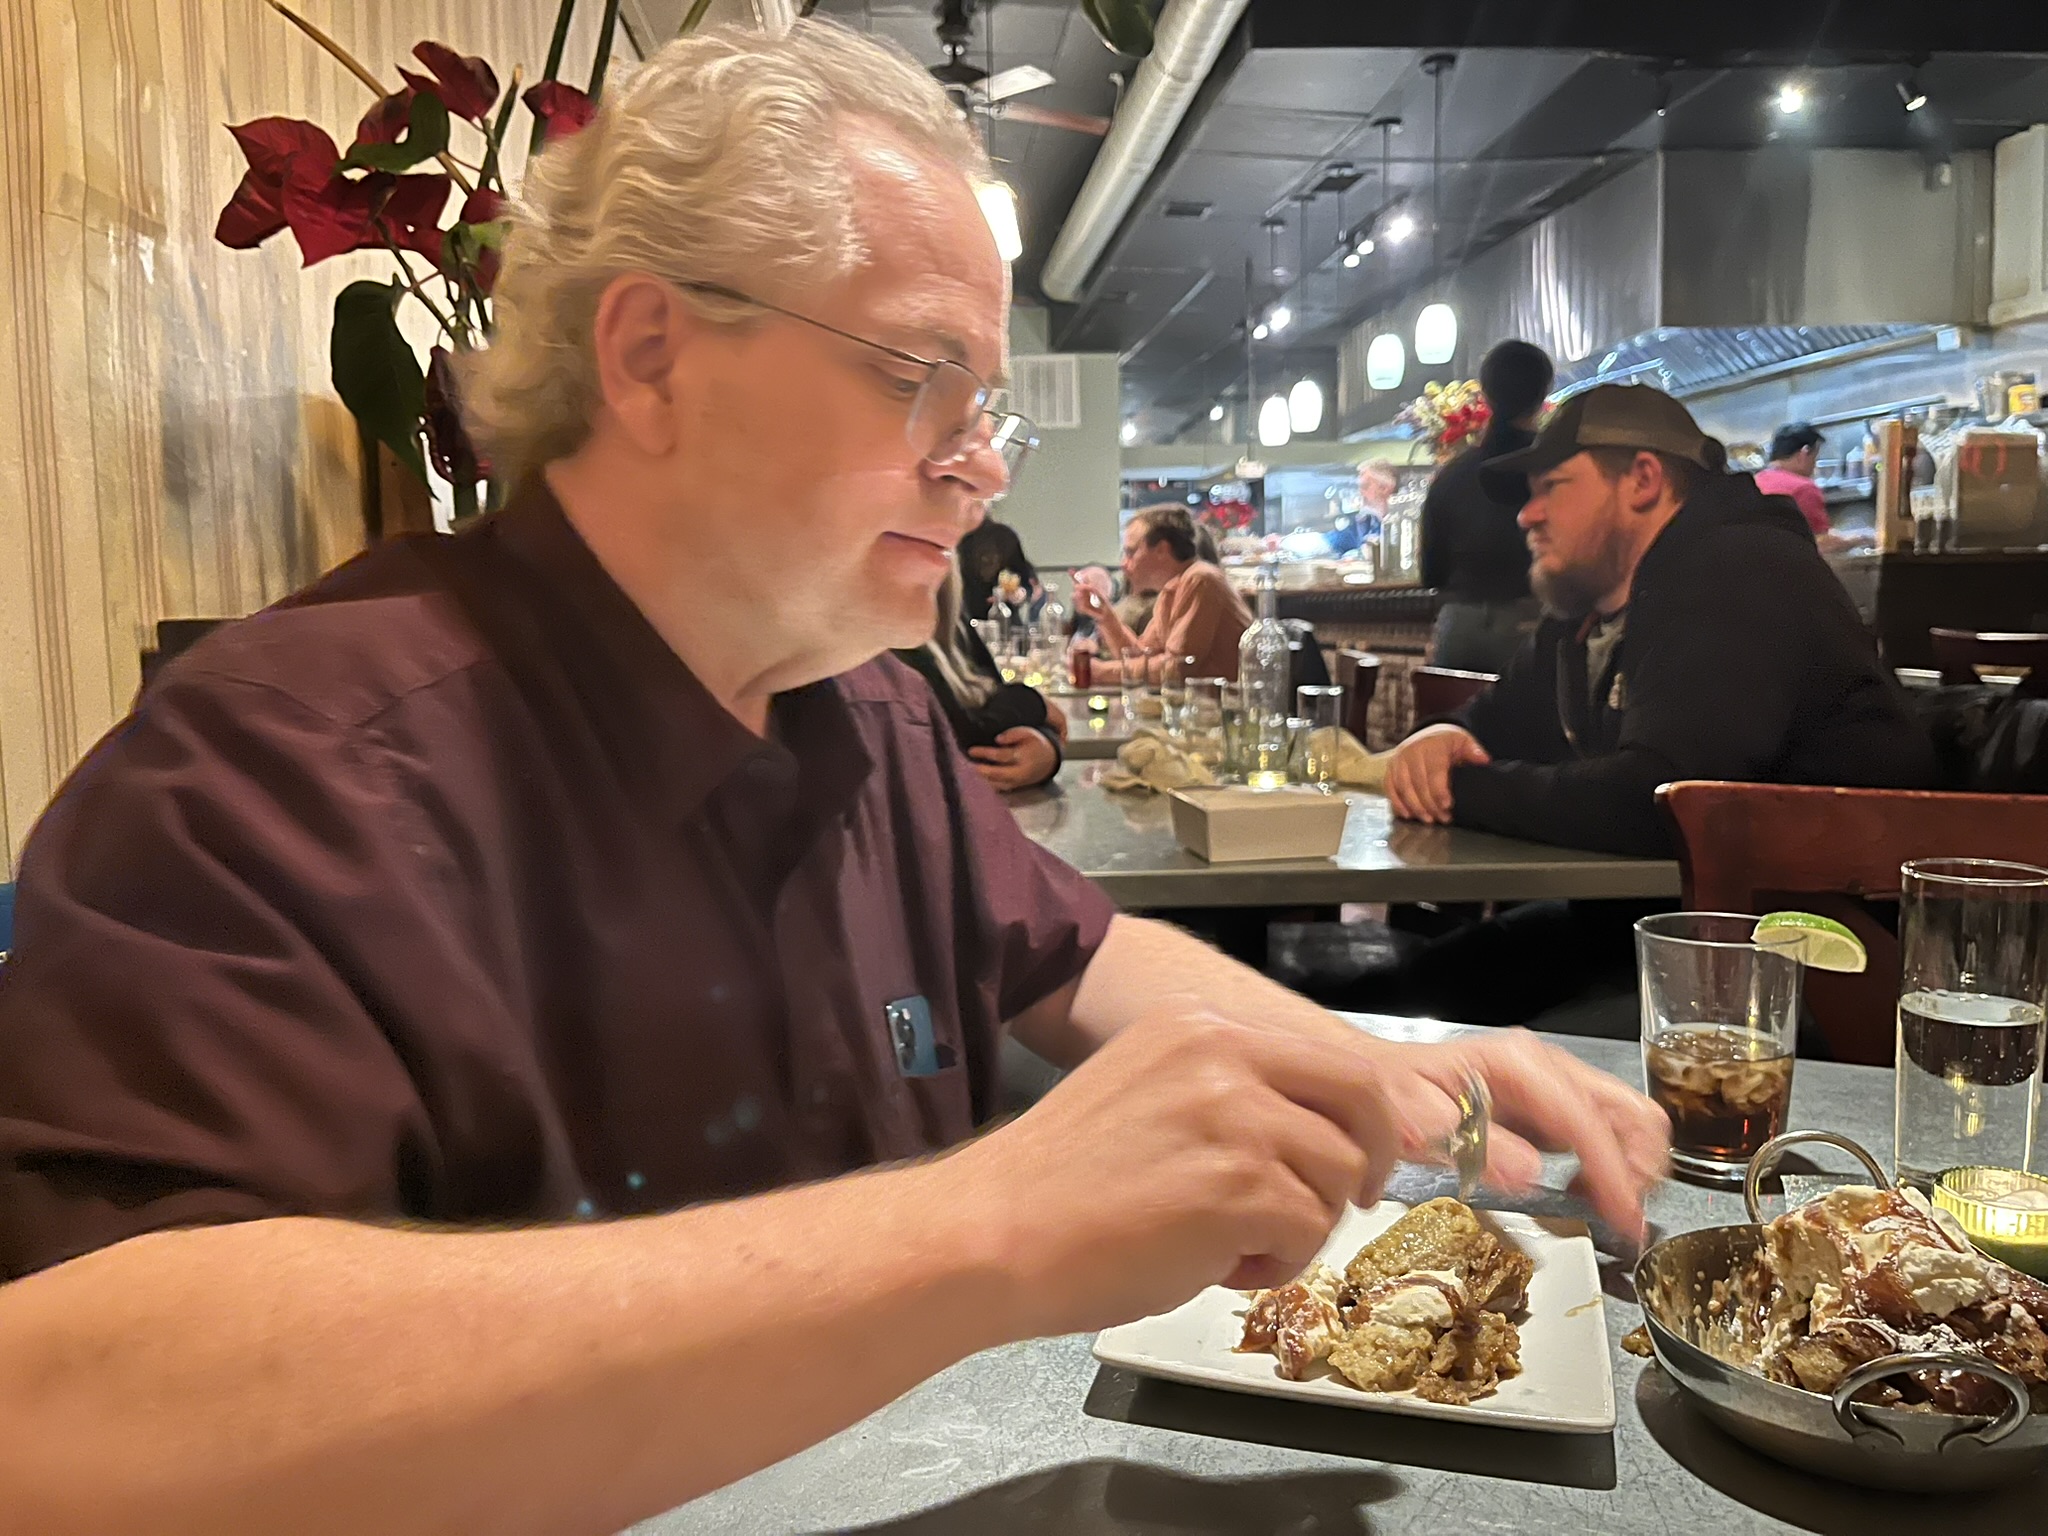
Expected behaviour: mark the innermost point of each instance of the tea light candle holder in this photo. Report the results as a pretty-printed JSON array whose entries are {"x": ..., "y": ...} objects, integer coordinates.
[
  {"x": 1098, "y": 702},
  {"x": 2004, "y": 1211}
]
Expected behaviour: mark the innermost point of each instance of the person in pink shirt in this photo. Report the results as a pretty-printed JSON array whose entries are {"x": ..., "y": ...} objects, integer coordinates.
[{"x": 1795, "y": 451}]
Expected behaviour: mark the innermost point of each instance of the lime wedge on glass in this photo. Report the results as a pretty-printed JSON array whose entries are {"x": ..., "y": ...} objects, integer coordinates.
[{"x": 1819, "y": 942}]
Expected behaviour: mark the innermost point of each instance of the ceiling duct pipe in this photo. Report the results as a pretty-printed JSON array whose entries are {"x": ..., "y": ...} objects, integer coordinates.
[{"x": 1190, "y": 35}]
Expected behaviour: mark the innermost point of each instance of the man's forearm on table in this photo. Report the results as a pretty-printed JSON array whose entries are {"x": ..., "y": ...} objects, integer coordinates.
[{"x": 314, "y": 1375}]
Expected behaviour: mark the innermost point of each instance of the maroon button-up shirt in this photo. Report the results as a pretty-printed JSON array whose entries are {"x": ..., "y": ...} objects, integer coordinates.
[{"x": 445, "y": 891}]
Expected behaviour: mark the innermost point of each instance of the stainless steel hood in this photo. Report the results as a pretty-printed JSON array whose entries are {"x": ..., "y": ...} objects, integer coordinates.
[{"x": 1695, "y": 267}]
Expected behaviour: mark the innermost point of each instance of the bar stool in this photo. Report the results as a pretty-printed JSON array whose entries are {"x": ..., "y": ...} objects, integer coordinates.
[{"x": 1960, "y": 652}]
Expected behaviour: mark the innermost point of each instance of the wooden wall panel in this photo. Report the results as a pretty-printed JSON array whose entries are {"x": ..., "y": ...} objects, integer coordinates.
[{"x": 169, "y": 443}]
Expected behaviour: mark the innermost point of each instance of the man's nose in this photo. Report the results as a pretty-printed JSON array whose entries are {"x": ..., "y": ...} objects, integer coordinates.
[
  {"x": 975, "y": 463},
  {"x": 1530, "y": 515}
]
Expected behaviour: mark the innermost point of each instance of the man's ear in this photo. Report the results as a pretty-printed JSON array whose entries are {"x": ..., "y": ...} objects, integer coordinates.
[{"x": 640, "y": 328}]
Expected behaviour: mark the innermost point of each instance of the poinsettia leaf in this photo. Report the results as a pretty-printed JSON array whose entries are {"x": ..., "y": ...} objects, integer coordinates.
[
  {"x": 253, "y": 214},
  {"x": 375, "y": 371},
  {"x": 561, "y": 108},
  {"x": 426, "y": 135},
  {"x": 270, "y": 143},
  {"x": 331, "y": 215},
  {"x": 448, "y": 443},
  {"x": 468, "y": 85},
  {"x": 386, "y": 120},
  {"x": 409, "y": 213},
  {"x": 483, "y": 206}
]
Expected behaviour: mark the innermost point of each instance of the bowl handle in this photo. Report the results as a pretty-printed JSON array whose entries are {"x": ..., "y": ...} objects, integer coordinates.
[
  {"x": 1850, "y": 1415},
  {"x": 1766, "y": 1161}
]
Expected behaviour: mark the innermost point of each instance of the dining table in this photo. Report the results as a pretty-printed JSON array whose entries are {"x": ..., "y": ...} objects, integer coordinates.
[
  {"x": 1038, "y": 1437},
  {"x": 1124, "y": 842},
  {"x": 1097, "y": 723}
]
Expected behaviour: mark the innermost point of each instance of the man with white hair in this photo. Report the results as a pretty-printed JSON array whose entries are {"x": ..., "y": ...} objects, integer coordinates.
[{"x": 457, "y": 1025}]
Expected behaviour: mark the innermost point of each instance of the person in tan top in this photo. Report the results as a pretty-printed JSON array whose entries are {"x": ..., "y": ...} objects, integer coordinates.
[{"x": 1198, "y": 614}]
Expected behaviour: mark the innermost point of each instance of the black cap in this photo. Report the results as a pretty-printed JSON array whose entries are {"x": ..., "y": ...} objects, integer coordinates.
[
  {"x": 1795, "y": 437},
  {"x": 1611, "y": 416}
]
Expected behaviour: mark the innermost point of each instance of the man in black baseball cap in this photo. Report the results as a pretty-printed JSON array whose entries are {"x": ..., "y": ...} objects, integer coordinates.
[{"x": 1692, "y": 631}]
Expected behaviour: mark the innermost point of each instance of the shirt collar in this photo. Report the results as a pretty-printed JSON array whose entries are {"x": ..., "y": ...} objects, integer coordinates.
[{"x": 667, "y": 737}]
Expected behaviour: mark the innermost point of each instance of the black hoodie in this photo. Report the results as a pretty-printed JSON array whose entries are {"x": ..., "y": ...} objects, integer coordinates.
[{"x": 1742, "y": 658}]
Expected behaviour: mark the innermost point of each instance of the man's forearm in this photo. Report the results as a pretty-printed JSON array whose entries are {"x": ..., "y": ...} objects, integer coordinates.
[
  {"x": 1144, "y": 967},
  {"x": 313, "y": 1375}
]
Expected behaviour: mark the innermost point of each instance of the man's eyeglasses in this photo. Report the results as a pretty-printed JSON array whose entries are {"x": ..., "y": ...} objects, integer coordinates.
[{"x": 952, "y": 410}]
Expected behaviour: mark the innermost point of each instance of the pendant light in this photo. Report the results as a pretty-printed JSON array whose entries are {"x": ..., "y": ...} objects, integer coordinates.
[
  {"x": 1275, "y": 430},
  {"x": 1386, "y": 362},
  {"x": 1436, "y": 328},
  {"x": 1305, "y": 399}
]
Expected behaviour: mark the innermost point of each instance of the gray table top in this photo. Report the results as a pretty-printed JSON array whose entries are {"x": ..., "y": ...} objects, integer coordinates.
[
  {"x": 1125, "y": 844},
  {"x": 1093, "y": 734},
  {"x": 1037, "y": 1437}
]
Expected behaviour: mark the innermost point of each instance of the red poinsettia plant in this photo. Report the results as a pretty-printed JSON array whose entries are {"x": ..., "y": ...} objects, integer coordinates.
[
  {"x": 392, "y": 190},
  {"x": 1229, "y": 517}
]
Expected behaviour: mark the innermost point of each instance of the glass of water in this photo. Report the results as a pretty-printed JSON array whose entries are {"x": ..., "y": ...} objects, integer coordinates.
[
  {"x": 1720, "y": 1028},
  {"x": 1174, "y": 673},
  {"x": 1131, "y": 675},
  {"x": 1972, "y": 990},
  {"x": 1231, "y": 768},
  {"x": 1202, "y": 718},
  {"x": 1323, "y": 709}
]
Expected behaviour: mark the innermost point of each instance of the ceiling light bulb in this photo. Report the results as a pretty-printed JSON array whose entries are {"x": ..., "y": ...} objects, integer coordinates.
[
  {"x": 1791, "y": 98},
  {"x": 1216, "y": 412},
  {"x": 1305, "y": 406},
  {"x": 1911, "y": 95},
  {"x": 1436, "y": 335},
  {"x": 1129, "y": 433},
  {"x": 1351, "y": 258},
  {"x": 1259, "y": 331},
  {"x": 1279, "y": 317},
  {"x": 1400, "y": 227},
  {"x": 1274, "y": 428},
  {"x": 1386, "y": 362},
  {"x": 999, "y": 207}
]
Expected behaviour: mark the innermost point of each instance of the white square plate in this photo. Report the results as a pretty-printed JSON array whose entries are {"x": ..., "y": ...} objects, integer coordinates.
[{"x": 1567, "y": 1380}]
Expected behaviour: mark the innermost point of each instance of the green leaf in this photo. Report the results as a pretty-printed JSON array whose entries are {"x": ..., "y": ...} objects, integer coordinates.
[
  {"x": 375, "y": 371},
  {"x": 426, "y": 135},
  {"x": 1124, "y": 25}
]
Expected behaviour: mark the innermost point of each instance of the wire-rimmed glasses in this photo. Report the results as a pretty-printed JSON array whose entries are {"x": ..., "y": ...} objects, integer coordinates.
[{"x": 954, "y": 411}]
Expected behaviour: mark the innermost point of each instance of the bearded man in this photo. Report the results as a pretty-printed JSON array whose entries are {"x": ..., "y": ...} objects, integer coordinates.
[{"x": 1691, "y": 631}]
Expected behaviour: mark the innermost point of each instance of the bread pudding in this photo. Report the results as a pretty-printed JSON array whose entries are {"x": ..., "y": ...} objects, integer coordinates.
[{"x": 1427, "y": 1306}]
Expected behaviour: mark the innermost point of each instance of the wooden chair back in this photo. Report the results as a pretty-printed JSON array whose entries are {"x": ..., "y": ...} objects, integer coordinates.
[
  {"x": 1446, "y": 690},
  {"x": 1775, "y": 847},
  {"x": 1358, "y": 674},
  {"x": 1960, "y": 652}
]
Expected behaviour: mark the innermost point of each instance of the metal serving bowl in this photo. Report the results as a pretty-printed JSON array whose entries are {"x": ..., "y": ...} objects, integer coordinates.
[{"x": 1907, "y": 1448}]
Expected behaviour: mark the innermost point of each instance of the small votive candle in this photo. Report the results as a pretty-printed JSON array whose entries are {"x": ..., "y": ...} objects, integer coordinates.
[
  {"x": 1098, "y": 702},
  {"x": 2004, "y": 1211}
]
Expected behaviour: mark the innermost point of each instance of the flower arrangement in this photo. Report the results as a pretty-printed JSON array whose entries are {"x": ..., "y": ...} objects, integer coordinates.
[
  {"x": 1225, "y": 518},
  {"x": 1451, "y": 416},
  {"x": 391, "y": 191}
]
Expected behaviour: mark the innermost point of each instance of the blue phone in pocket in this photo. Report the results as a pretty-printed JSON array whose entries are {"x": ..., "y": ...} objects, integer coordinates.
[{"x": 919, "y": 1052}]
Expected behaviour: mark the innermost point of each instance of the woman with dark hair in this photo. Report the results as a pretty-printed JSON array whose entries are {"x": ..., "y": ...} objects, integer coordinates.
[
  {"x": 1009, "y": 732},
  {"x": 1473, "y": 551},
  {"x": 1198, "y": 614}
]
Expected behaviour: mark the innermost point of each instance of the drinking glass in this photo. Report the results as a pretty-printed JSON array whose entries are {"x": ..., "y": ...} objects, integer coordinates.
[
  {"x": 1323, "y": 709},
  {"x": 1174, "y": 673},
  {"x": 990, "y": 632},
  {"x": 1720, "y": 1025},
  {"x": 1202, "y": 718},
  {"x": 1231, "y": 766},
  {"x": 1972, "y": 990},
  {"x": 1131, "y": 671}
]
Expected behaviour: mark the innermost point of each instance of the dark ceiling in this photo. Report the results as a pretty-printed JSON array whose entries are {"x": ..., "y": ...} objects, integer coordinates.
[
  {"x": 1524, "y": 132},
  {"x": 1045, "y": 165},
  {"x": 1546, "y": 99}
]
